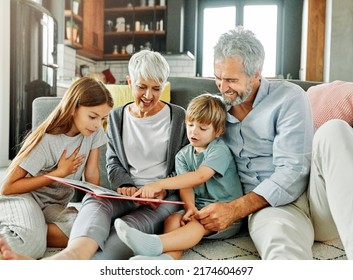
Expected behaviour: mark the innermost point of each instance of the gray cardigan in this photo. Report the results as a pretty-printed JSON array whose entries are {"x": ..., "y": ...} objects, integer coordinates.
[{"x": 117, "y": 165}]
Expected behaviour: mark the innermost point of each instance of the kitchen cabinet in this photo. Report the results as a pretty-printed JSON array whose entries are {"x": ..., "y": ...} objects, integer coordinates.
[
  {"x": 132, "y": 25},
  {"x": 73, "y": 23},
  {"x": 93, "y": 29}
]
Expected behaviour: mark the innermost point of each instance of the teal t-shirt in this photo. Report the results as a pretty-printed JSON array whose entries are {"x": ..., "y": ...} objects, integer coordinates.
[{"x": 224, "y": 185}]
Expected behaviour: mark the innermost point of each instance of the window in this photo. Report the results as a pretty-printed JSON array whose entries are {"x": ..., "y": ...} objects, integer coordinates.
[
  {"x": 212, "y": 29},
  {"x": 266, "y": 32},
  {"x": 217, "y": 17}
]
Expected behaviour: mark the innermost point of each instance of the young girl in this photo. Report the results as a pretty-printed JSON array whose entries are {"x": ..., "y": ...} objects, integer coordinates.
[
  {"x": 206, "y": 173},
  {"x": 33, "y": 208},
  {"x": 144, "y": 137}
]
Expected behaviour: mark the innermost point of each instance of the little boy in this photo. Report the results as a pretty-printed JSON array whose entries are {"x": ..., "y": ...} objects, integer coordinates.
[{"x": 206, "y": 174}]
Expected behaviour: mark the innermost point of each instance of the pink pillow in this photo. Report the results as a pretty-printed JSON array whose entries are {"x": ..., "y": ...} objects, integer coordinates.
[{"x": 331, "y": 101}]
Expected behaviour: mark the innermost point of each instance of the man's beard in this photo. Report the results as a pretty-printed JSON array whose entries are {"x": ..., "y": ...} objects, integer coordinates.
[{"x": 239, "y": 99}]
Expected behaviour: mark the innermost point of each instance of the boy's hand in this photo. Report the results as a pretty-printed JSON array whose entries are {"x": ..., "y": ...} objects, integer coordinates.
[
  {"x": 150, "y": 191},
  {"x": 189, "y": 214},
  {"x": 157, "y": 195}
]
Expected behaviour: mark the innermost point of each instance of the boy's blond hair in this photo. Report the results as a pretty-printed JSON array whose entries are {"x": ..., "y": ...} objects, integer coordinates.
[{"x": 208, "y": 109}]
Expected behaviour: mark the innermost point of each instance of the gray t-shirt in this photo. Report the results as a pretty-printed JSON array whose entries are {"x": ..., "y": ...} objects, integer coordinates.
[{"x": 45, "y": 156}]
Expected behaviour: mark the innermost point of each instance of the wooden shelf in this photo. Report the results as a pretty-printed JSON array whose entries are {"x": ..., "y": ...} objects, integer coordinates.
[
  {"x": 118, "y": 33},
  {"x": 69, "y": 13},
  {"x": 134, "y": 9},
  {"x": 77, "y": 19},
  {"x": 74, "y": 45},
  {"x": 146, "y": 15},
  {"x": 137, "y": 33},
  {"x": 116, "y": 56}
]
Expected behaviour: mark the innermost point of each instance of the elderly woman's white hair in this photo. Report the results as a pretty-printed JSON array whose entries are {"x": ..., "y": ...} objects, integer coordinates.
[{"x": 149, "y": 65}]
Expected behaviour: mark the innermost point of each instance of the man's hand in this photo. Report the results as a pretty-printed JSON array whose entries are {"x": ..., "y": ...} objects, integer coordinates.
[{"x": 216, "y": 216}]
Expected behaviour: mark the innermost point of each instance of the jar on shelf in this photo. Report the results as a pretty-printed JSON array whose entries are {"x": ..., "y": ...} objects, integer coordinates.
[
  {"x": 115, "y": 49},
  {"x": 137, "y": 25},
  {"x": 120, "y": 24}
]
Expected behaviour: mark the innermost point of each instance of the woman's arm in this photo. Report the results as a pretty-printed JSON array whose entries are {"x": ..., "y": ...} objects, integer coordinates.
[{"x": 116, "y": 161}]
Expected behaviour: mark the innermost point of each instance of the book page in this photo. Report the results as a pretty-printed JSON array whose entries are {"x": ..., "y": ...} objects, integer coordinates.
[
  {"x": 98, "y": 190},
  {"x": 106, "y": 193}
]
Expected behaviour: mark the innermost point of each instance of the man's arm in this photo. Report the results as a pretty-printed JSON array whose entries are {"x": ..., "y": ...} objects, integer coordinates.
[{"x": 220, "y": 215}]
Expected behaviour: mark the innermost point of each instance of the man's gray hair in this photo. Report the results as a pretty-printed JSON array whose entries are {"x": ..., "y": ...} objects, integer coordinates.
[{"x": 243, "y": 44}]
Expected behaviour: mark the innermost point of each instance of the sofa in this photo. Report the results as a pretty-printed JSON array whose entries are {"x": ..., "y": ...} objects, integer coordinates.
[{"x": 182, "y": 90}]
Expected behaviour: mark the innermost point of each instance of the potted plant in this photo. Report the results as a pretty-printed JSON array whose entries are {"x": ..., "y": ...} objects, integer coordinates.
[
  {"x": 71, "y": 30},
  {"x": 75, "y": 6}
]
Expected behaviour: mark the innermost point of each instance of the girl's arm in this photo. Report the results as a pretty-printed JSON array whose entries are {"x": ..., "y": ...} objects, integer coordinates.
[
  {"x": 186, "y": 180},
  {"x": 18, "y": 181},
  {"x": 92, "y": 167}
]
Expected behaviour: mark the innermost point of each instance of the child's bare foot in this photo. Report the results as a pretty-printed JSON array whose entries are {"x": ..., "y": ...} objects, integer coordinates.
[{"x": 6, "y": 253}]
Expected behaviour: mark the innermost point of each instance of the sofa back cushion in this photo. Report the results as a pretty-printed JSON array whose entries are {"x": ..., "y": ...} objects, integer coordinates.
[
  {"x": 332, "y": 100},
  {"x": 122, "y": 94},
  {"x": 183, "y": 89}
]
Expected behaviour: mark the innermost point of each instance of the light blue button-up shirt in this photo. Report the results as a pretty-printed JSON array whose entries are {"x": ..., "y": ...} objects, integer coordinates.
[{"x": 272, "y": 145}]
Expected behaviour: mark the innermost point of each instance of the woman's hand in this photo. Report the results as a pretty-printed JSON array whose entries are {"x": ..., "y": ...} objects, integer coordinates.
[{"x": 127, "y": 190}]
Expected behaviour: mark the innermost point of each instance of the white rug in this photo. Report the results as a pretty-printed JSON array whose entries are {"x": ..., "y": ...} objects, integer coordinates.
[{"x": 241, "y": 247}]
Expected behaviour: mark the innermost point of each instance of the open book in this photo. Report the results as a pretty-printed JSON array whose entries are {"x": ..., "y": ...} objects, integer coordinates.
[{"x": 106, "y": 193}]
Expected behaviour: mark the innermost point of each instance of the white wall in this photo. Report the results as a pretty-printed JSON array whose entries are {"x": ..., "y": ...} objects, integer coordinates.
[
  {"x": 4, "y": 81},
  {"x": 341, "y": 48}
]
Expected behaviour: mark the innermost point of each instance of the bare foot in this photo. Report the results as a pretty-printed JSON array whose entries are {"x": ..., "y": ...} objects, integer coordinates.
[{"x": 6, "y": 252}]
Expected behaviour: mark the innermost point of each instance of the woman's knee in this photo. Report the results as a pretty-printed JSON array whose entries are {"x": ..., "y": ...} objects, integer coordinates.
[{"x": 94, "y": 202}]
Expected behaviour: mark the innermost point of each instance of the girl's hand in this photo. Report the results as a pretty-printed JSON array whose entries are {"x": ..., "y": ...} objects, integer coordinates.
[{"x": 67, "y": 166}]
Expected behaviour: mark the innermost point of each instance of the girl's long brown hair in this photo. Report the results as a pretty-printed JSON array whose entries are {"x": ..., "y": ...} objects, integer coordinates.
[{"x": 86, "y": 92}]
